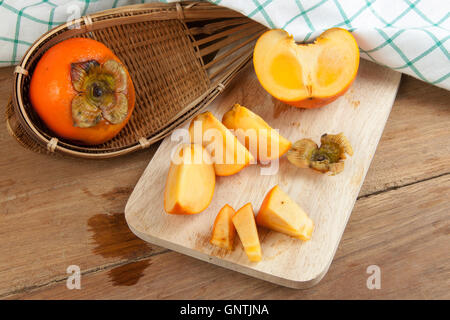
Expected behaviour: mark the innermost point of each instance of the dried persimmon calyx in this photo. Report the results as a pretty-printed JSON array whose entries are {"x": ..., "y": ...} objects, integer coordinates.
[
  {"x": 101, "y": 93},
  {"x": 327, "y": 158},
  {"x": 117, "y": 112},
  {"x": 302, "y": 152},
  {"x": 79, "y": 73},
  {"x": 84, "y": 114},
  {"x": 115, "y": 69}
]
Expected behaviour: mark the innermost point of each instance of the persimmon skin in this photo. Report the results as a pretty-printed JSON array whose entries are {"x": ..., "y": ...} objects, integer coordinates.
[
  {"x": 51, "y": 90},
  {"x": 314, "y": 102}
]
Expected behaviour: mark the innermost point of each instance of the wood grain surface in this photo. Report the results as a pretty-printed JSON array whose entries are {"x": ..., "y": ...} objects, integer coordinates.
[
  {"x": 56, "y": 212},
  {"x": 412, "y": 236},
  {"x": 328, "y": 200}
]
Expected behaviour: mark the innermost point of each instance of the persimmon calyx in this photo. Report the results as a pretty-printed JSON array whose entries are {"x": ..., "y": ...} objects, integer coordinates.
[
  {"x": 329, "y": 157},
  {"x": 101, "y": 93}
]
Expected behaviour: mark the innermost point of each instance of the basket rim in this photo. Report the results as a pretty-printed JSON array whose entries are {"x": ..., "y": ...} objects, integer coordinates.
[{"x": 84, "y": 24}]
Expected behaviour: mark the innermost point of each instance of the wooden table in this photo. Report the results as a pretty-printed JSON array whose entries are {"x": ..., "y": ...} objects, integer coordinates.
[{"x": 56, "y": 212}]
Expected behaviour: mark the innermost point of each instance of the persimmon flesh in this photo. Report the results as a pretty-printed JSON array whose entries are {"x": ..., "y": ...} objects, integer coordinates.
[
  {"x": 229, "y": 155},
  {"x": 307, "y": 75},
  {"x": 280, "y": 213},
  {"x": 224, "y": 232},
  {"x": 190, "y": 182},
  {"x": 265, "y": 143},
  {"x": 244, "y": 222}
]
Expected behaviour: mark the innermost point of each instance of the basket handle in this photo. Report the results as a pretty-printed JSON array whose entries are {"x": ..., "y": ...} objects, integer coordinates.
[
  {"x": 180, "y": 10},
  {"x": 52, "y": 144},
  {"x": 21, "y": 70}
]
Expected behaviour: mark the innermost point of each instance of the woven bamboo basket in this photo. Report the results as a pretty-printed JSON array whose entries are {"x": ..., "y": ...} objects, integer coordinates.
[{"x": 180, "y": 57}]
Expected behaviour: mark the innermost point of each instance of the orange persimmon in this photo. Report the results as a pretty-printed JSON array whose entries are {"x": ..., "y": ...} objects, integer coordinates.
[{"x": 82, "y": 91}]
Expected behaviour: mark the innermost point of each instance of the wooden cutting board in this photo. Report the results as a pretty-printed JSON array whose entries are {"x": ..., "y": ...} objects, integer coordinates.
[{"x": 360, "y": 114}]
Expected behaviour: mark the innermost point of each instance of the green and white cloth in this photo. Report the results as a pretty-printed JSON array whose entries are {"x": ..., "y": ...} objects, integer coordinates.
[{"x": 410, "y": 36}]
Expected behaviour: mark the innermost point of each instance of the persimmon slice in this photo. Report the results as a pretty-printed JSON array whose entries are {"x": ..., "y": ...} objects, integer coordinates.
[
  {"x": 229, "y": 155},
  {"x": 259, "y": 138},
  {"x": 306, "y": 75},
  {"x": 244, "y": 222},
  {"x": 280, "y": 213},
  {"x": 224, "y": 232},
  {"x": 190, "y": 181}
]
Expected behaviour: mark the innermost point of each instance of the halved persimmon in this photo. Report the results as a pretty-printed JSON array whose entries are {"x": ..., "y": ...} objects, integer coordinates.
[
  {"x": 82, "y": 91},
  {"x": 306, "y": 75}
]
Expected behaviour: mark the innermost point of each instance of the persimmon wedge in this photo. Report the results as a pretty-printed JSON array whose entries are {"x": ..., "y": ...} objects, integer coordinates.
[
  {"x": 229, "y": 155},
  {"x": 190, "y": 181},
  {"x": 224, "y": 232},
  {"x": 280, "y": 213},
  {"x": 244, "y": 222},
  {"x": 306, "y": 75},
  {"x": 264, "y": 142}
]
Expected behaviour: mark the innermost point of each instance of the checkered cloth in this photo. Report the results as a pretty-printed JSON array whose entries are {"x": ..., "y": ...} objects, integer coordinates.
[{"x": 409, "y": 36}]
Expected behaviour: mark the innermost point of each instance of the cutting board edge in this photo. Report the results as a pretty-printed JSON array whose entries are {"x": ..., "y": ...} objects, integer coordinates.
[{"x": 290, "y": 283}]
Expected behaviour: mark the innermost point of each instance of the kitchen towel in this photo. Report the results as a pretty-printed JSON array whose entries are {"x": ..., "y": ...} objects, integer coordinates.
[{"x": 410, "y": 36}]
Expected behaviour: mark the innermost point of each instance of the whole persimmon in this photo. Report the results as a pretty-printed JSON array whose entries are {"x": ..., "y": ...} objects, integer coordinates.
[{"x": 82, "y": 91}]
